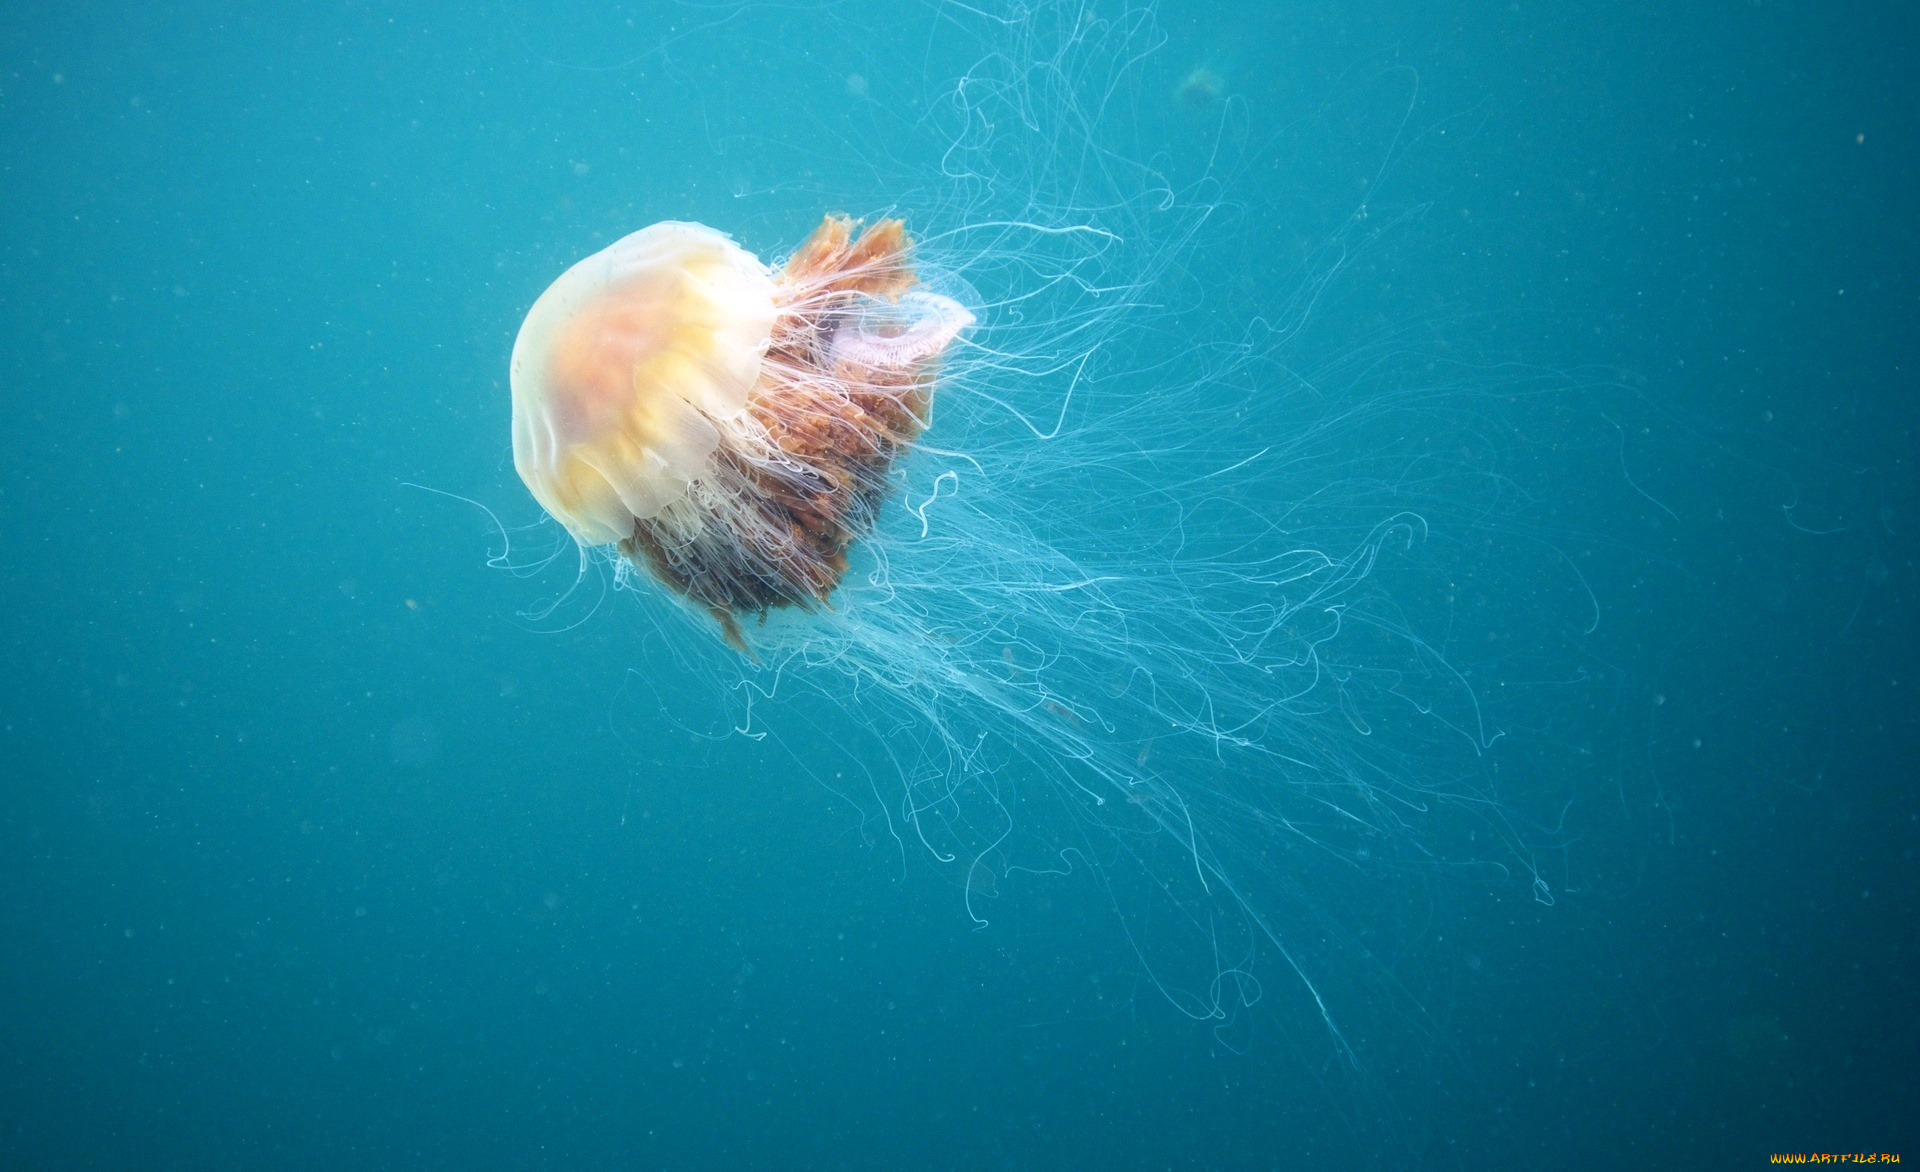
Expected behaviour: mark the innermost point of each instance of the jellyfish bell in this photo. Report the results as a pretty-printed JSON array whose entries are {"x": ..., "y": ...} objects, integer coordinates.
[
  {"x": 622, "y": 368},
  {"x": 728, "y": 427}
]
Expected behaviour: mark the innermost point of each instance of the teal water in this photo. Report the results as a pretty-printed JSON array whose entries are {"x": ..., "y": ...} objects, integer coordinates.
[{"x": 326, "y": 843}]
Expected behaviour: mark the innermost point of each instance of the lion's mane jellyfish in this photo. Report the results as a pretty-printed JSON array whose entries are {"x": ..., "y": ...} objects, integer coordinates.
[{"x": 729, "y": 427}]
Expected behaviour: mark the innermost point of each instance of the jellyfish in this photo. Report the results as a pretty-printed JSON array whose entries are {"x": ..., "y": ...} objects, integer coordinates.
[
  {"x": 1205, "y": 595},
  {"x": 727, "y": 427}
]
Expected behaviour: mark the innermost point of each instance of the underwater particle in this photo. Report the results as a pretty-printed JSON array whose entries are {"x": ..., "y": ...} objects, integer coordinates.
[
  {"x": 1199, "y": 89},
  {"x": 728, "y": 427}
]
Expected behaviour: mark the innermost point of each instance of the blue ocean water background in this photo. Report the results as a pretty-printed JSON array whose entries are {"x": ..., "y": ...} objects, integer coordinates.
[{"x": 318, "y": 854}]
